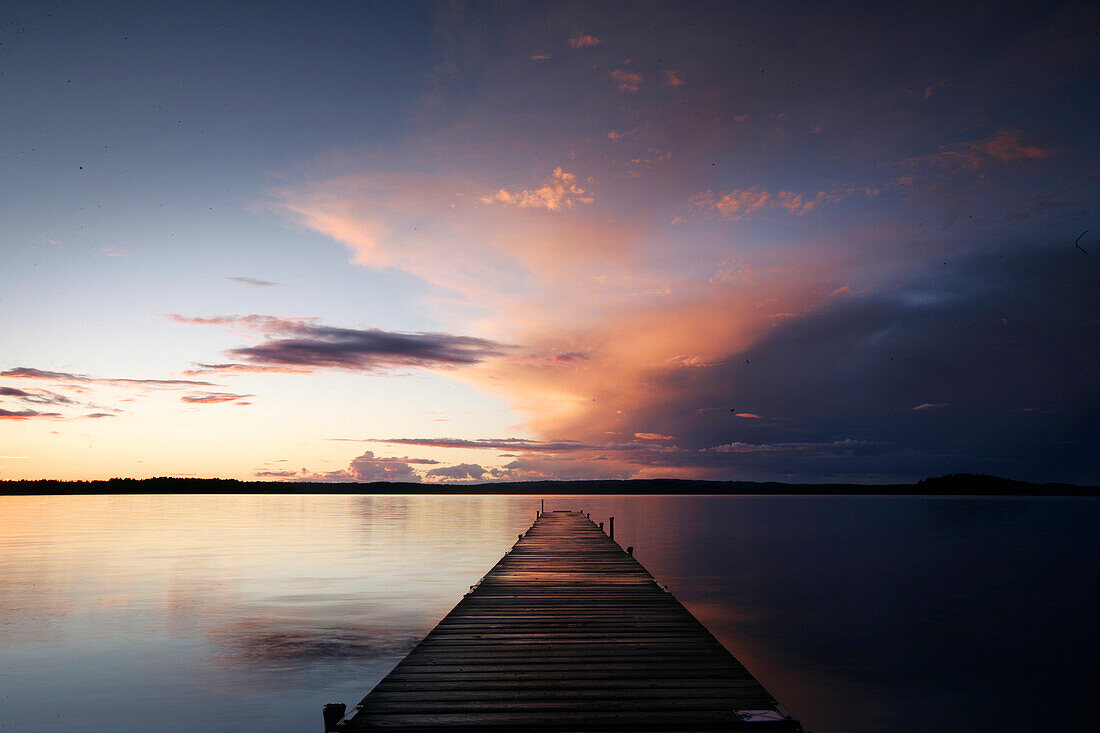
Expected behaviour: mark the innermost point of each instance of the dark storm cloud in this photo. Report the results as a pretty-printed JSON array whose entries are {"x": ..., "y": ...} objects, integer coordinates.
[
  {"x": 304, "y": 344},
  {"x": 988, "y": 365},
  {"x": 345, "y": 348}
]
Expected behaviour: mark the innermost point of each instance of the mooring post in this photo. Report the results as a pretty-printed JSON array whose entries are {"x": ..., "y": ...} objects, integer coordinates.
[
  {"x": 543, "y": 506},
  {"x": 630, "y": 551},
  {"x": 601, "y": 526},
  {"x": 589, "y": 515},
  {"x": 611, "y": 527},
  {"x": 334, "y": 713}
]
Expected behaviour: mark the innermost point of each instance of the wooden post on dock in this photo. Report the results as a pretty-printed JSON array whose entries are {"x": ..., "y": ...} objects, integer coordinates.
[
  {"x": 333, "y": 712},
  {"x": 611, "y": 527}
]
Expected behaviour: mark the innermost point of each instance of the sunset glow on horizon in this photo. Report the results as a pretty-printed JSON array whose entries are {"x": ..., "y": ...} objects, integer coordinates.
[{"x": 447, "y": 243}]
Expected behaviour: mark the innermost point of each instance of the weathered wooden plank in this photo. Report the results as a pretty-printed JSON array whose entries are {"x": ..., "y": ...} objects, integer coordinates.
[{"x": 567, "y": 632}]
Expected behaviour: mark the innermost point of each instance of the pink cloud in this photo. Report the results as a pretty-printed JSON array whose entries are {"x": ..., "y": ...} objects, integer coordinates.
[
  {"x": 364, "y": 468},
  {"x": 455, "y": 235},
  {"x": 212, "y": 398}
]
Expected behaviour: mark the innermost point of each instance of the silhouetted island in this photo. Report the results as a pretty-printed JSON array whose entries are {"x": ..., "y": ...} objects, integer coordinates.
[{"x": 955, "y": 484}]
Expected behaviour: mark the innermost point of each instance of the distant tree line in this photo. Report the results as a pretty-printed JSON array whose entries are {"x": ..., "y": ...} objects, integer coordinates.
[{"x": 954, "y": 484}]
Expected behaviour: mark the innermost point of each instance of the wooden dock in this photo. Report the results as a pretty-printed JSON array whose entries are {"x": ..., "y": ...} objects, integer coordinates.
[{"x": 567, "y": 633}]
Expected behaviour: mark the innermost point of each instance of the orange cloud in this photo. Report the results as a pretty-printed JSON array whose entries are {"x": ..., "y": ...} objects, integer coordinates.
[
  {"x": 1007, "y": 146},
  {"x": 740, "y": 204},
  {"x": 672, "y": 79},
  {"x": 452, "y": 234},
  {"x": 561, "y": 191},
  {"x": 627, "y": 81},
  {"x": 601, "y": 314},
  {"x": 583, "y": 40}
]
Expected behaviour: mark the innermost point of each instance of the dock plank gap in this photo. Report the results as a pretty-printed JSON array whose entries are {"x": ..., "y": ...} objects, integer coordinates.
[{"x": 568, "y": 632}]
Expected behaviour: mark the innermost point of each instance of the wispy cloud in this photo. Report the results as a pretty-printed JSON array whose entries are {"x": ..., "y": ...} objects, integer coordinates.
[
  {"x": 253, "y": 281},
  {"x": 32, "y": 373},
  {"x": 212, "y": 398},
  {"x": 230, "y": 369},
  {"x": 616, "y": 135},
  {"x": 490, "y": 443},
  {"x": 1007, "y": 146},
  {"x": 37, "y": 396},
  {"x": 26, "y": 414}
]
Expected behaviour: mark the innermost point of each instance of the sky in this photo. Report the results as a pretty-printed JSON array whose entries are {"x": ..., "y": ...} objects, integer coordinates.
[{"x": 466, "y": 242}]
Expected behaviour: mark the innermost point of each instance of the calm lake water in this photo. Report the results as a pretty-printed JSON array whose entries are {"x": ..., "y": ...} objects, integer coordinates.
[{"x": 240, "y": 613}]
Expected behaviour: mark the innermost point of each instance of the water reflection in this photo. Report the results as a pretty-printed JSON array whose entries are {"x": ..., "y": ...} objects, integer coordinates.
[{"x": 234, "y": 612}]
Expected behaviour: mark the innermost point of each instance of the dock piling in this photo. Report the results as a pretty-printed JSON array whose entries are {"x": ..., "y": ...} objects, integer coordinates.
[
  {"x": 611, "y": 528},
  {"x": 333, "y": 713}
]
